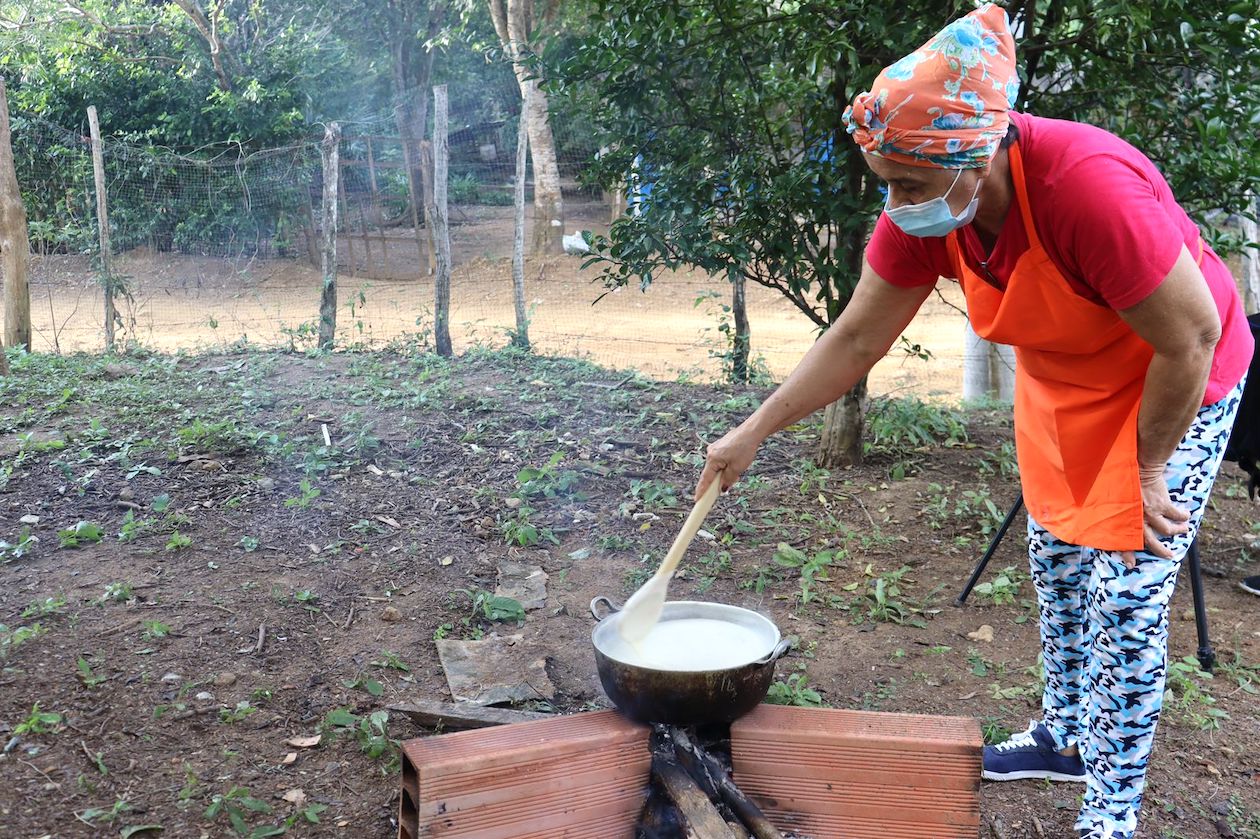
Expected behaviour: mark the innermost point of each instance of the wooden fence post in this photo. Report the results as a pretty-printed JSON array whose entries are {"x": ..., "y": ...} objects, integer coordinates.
[
  {"x": 328, "y": 298},
  {"x": 441, "y": 231},
  {"x": 521, "y": 337},
  {"x": 741, "y": 339},
  {"x": 15, "y": 247},
  {"x": 102, "y": 225}
]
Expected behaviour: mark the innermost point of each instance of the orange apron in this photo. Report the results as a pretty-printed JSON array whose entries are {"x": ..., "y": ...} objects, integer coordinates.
[{"x": 1078, "y": 384}]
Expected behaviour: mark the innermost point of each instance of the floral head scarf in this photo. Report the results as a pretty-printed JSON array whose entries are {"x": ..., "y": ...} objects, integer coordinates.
[{"x": 946, "y": 103}]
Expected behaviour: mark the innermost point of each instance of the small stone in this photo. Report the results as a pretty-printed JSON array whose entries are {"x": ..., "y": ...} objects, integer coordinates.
[
  {"x": 390, "y": 614},
  {"x": 487, "y": 522},
  {"x": 204, "y": 696},
  {"x": 224, "y": 679},
  {"x": 125, "y": 494},
  {"x": 266, "y": 484},
  {"x": 705, "y": 535},
  {"x": 512, "y": 503},
  {"x": 984, "y": 633},
  {"x": 172, "y": 677},
  {"x": 29, "y": 519}
]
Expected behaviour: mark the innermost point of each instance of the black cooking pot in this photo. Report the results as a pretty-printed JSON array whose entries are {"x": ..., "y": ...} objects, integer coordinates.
[{"x": 686, "y": 697}]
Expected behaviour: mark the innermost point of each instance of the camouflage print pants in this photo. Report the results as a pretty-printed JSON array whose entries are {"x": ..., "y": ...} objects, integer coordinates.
[{"x": 1104, "y": 636}]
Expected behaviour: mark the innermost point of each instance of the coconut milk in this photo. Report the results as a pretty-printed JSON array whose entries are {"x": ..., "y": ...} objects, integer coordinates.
[{"x": 692, "y": 644}]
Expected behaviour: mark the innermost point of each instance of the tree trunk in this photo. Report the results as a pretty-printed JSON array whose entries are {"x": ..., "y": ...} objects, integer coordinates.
[
  {"x": 1251, "y": 260},
  {"x": 841, "y": 441},
  {"x": 15, "y": 247},
  {"x": 513, "y": 21},
  {"x": 548, "y": 200}
]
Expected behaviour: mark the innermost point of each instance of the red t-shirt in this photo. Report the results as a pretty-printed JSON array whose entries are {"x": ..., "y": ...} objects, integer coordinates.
[{"x": 1108, "y": 221}]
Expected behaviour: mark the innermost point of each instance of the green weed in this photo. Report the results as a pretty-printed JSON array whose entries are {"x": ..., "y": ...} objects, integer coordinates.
[{"x": 794, "y": 690}]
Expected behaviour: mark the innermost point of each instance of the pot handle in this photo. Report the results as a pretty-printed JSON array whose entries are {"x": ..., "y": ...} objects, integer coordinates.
[
  {"x": 778, "y": 652},
  {"x": 613, "y": 608}
]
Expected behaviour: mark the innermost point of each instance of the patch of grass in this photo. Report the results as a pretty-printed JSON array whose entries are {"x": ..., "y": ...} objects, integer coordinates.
[
  {"x": 47, "y": 607},
  {"x": 1187, "y": 695},
  {"x": 653, "y": 493},
  {"x": 11, "y": 639}
]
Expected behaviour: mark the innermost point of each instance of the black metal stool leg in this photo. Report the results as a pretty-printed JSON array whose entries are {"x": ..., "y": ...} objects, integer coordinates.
[
  {"x": 988, "y": 554},
  {"x": 1207, "y": 656}
]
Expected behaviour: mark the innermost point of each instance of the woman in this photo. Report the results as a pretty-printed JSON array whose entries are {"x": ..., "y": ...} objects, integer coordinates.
[{"x": 1131, "y": 346}]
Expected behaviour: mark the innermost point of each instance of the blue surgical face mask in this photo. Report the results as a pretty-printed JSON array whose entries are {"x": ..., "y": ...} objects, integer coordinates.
[{"x": 933, "y": 217}]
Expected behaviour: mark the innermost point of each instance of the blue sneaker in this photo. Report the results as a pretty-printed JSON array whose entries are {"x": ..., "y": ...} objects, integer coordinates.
[{"x": 1030, "y": 755}]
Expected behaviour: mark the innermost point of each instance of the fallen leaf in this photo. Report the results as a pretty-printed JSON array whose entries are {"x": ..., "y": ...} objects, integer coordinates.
[
  {"x": 289, "y": 759},
  {"x": 128, "y": 832},
  {"x": 296, "y": 797},
  {"x": 965, "y": 696},
  {"x": 375, "y": 470},
  {"x": 390, "y": 521},
  {"x": 446, "y": 560},
  {"x": 984, "y": 633},
  {"x": 303, "y": 742}
]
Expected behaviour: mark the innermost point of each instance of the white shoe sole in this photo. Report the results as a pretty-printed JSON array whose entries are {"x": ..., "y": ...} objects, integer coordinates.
[
  {"x": 1031, "y": 775},
  {"x": 1249, "y": 589}
]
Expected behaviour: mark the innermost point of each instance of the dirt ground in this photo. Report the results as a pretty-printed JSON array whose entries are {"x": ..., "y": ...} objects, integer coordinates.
[
  {"x": 254, "y": 583},
  {"x": 183, "y": 302}
]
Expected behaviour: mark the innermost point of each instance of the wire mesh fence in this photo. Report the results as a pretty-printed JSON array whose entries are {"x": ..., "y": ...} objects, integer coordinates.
[{"x": 222, "y": 248}]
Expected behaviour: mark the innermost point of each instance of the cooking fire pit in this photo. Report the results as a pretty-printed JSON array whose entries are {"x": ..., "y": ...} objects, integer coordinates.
[{"x": 789, "y": 772}]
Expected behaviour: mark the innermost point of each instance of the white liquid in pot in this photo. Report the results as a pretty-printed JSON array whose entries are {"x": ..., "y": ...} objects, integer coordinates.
[{"x": 691, "y": 644}]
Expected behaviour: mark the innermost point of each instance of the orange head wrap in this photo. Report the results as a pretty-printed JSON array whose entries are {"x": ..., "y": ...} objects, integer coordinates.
[{"x": 946, "y": 103}]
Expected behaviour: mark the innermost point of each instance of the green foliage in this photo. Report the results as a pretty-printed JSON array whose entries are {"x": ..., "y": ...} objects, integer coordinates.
[
  {"x": 371, "y": 733},
  {"x": 11, "y": 639},
  {"x": 494, "y": 608},
  {"x": 240, "y": 807},
  {"x": 307, "y": 493},
  {"x": 654, "y": 493},
  {"x": 812, "y": 568},
  {"x": 83, "y": 533},
  {"x": 1003, "y": 588},
  {"x": 38, "y": 722},
  {"x": 25, "y": 543},
  {"x": 1187, "y": 695},
  {"x": 900, "y": 426},
  {"x": 731, "y": 110},
  {"x": 794, "y": 690},
  {"x": 547, "y": 481},
  {"x": 520, "y": 530}
]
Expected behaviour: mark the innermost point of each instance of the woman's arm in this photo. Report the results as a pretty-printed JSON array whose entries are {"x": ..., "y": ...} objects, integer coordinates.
[
  {"x": 1180, "y": 321},
  {"x": 873, "y": 319}
]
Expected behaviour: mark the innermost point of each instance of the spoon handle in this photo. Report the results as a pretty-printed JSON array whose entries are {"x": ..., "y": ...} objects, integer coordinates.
[{"x": 694, "y": 519}]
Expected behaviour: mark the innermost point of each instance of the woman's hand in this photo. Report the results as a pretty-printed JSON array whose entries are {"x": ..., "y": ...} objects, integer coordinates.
[
  {"x": 730, "y": 456},
  {"x": 1161, "y": 517}
]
